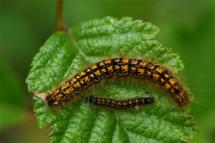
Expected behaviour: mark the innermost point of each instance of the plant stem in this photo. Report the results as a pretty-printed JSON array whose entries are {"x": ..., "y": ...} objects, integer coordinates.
[{"x": 59, "y": 16}]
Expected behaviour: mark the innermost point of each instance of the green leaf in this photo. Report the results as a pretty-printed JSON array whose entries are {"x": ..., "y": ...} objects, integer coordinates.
[{"x": 63, "y": 55}]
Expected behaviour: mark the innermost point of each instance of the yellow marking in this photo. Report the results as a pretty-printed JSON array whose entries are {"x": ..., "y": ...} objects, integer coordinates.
[
  {"x": 144, "y": 64},
  {"x": 149, "y": 73},
  {"x": 86, "y": 78},
  {"x": 117, "y": 60},
  {"x": 125, "y": 60},
  {"x": 152, "y": 66},
  {"x": 91, "y": 75},
  {"x": 167, "y": 86},
  {"x": 98, "y": 73},
  {"x": 172, "y": 81},
  {"x": 117, "y": 67},
  {"x": 88, "y": 70},
  {"x": 107, "y": 61},
  {"x": 103, "y": 70},
  {"x": 141, "y": 71},
  {"x": 166, "y": 75},
  {"x": 82, "y": 81},
  {"x": 134, "y": 62},
  {"x": 101, "y": 64},
  {"x": 82, "y": 73},
  {"x": 77, "y": 84},
  {"x": 66, "y": 92},
  {"x": 133, "y": 69},
  {"x": 70, "y": 90},
  {"x": 159, "y": 70},
  {"x": 156, "y": 76},
  {"x": 65, "y": 85},
  {"x": 93, "y": 66},
  {"x": 73, "y": 80},
  {"x": 125, "y": 68},
  {"x": 162, "y": 80},
  {"x": 110, "y": 68},
  {"x": 77, "y": 76}
]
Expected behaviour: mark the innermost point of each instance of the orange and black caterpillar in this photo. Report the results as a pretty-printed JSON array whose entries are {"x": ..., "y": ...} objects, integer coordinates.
[
  {"x": 120, "y": 67},
  {"x": 119, "y": 104}
]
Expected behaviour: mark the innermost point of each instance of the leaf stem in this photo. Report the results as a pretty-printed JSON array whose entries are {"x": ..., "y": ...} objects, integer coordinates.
[{"x": 59, "y": 16}]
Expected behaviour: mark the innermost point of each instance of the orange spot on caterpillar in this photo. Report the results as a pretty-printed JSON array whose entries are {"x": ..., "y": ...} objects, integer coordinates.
[
  {"x": 119, "y": 67},
  {"x": 110, "y": 68},
  {"x": 119, "y": 104},
  {"x": 82, "y": 73}
]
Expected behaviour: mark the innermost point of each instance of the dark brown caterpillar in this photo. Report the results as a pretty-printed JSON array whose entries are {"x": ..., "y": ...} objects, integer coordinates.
[
  {"x": 119, "y": 104},
  {"x": 119, "y": 67}
]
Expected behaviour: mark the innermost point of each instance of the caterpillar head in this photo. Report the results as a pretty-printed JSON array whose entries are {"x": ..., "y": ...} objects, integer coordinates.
[{"x": 50, "y": 100}]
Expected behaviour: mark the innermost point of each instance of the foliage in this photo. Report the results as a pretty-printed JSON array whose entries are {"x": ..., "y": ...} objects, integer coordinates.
[{"x": 65, "y": 54}]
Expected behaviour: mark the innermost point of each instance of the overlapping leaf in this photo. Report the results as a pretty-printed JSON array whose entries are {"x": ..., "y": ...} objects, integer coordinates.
[{"x": 64, "y": 55}]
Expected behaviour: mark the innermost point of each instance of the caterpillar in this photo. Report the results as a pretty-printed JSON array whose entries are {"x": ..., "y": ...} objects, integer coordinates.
[
  {"x": 118, "y": 67},
  {"x": 119, "y": 104}
]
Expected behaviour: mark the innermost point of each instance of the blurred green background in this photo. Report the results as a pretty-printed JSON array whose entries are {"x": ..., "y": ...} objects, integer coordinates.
[{"x": 187, "y": 26}]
